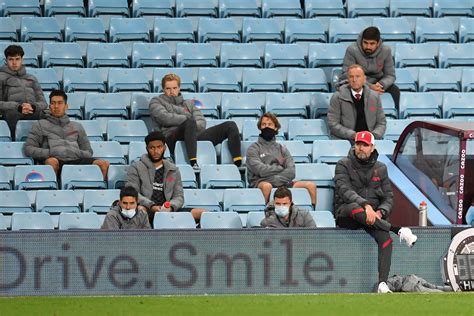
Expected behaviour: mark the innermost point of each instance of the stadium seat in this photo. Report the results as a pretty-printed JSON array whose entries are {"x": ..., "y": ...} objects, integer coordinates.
[
  {"x": 288, "y": 104},
  {"x": 228, "y": 8},
  {"x": 206, "y": 102},
  {"x": 14, "y": 201},
  {"x": 395, "y": 128},
  {"x": 325, "y": 200},
  {"x": 22, "y": 129},
  {"x": 206, "y": 153},
  {"x": 319, "y": 104},
  {"x": 415, "y": 55},
  {"x": 439, "y": 80},
  {"x": 467, "y": 80},
  {"x": 38, "y": 177},
  {"x": 284, "y": 55},
  {"x": 12, "y": 154},
  {"x": 418, "y": 104},
  {"x": 8, "y": 30},
  {"x": 243, "y": 200},
  {"x": 456, "y": 55},
  {"x": 324, "y": 8},
  {"x": 458, "y": 104},
  {"x": 188, "y": 177},
  {"x": 4, "y": 132},
  {"x": 47, "y": 78},
  {"x": 318, "y": 173},
  {"x": 405, "y": 80},
  {"x": 145, "y": 8},
  {"x": 3, "y": 222},
  {"x": 202, "y": 198},
  {"x": 241, "y": 105},
  {"x": 304, "y": 30},
  {"x": 21, "y": 7},
  {"x": 254, "y": 80},
  {"x": 358, "y": 8},
  {"x": 196, "y": 8},
  {"x": 276, "y": 8},
  {"x": 188, "y": 82},
  {"x": 394, "y": 29},
  {"x": 125, "y": 30},
  {"x": 64, "y": 7},
  {"x": 62, "y": 54},
  {"x": 151, "y": 55},
  {"x": 21, "y": 221},
  {"x": 346, "y": 30},
  {"x": 92, "y": 129},
  {"x": 211, "y": 29},
  {"x": 330, "y": 151},
  {"x": 326, "y": 55},
  {"x": 100, "y": 201},
  {"x": 135, "y": 79},
  {"x": 443, "y": 8},
  {"x": 88, "y": 79},
  {"x": 218, "y": 80},
  {"x": 388, "y": 106},
  {"x": 75, "y": 177},
  {"x": 250, "y": 131},
  {"x": 4, "y": 179},
  {"x": 226, "y": 157},
  {"x": 298, "y": 150},
  {"x": 434, "y": 29},
  {"x": 195, "y": 55},
  {"x": 79, "y": 221},
  {"x": 108, "y": 8},
  {"x": 410, "y": 8},
  {"x": 254, "y": 219},
  {"x": 126, "y": 131},
  {"x": 175, "y": 29},
  {"x": 140, "y": 105},
  {"x": 80, "y": 29},
  {"x": 466, "y": 30},
  {"x": 40, "y": 29},
  {"x": 57, "y": 201},
  {"x": 220, "y": 220},
  {"x": 116, "y": 176},
  {"x": 174, "y": 220},
  {"x": 307, "y": 130},
  {"x": 108, "y": 150},
  {"x": 384, "y": 146},
  {"x": 307, "y": 80},
  {"x": 323, "y": 219},
  {"x": 240, "y": 55},
  {"x": 258, "y": 29},
  {"x": 106, "y": 55},
  {"x": 106, "y": 105},
  {"x": 220, "y": 177}
]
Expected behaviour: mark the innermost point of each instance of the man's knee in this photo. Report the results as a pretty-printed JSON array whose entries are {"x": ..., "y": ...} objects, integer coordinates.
[
  {"x": 230, "y": 127},
  {"x": 103, "y": 164},
  {"x": 53, "y": 162},
  {"x": 265, "y": 186}
]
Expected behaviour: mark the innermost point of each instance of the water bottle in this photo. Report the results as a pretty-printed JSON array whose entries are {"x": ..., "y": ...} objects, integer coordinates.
[{"x": 423, "y": 214}]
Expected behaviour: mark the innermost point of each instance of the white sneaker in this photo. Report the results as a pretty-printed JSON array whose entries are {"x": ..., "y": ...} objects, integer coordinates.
[
  {"x": 383, "y": 288},
  {"x": 407, "y": 236}
]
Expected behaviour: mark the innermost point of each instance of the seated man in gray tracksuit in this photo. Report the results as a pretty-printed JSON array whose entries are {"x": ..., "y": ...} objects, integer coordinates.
[
  {"x": 282, "y": 213},
  {"x": 157, "y": 180}
]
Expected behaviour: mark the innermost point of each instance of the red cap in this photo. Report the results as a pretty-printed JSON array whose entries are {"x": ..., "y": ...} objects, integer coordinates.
[
  {"x": 365, "y": 137},
  {"x": 167, "y": 204}
]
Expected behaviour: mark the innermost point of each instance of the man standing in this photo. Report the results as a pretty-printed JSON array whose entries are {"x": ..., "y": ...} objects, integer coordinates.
[
  {"x": 282, "y": 213},
  {"x": 57, "y": 141},
  {"x": 157, "y": 180},
  {"x": 356, "y": 108},
  {"x": 364, "y": 199},
  {"x": 21, "y": 97},
  {"x": 376, "y": 61},
  {"x": 180, "y": 119},
  {"x": 124, "y": 213},
  {"x": 270, "y": 164}
]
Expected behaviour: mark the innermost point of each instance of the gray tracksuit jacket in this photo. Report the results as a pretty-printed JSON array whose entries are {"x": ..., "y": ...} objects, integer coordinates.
[
  {"x": 17, "y": 87},
  {"x": 298, "y": 218},
  {"x": 115, "y": 220},
  {"x": 342, "y": 113},
  {"x": 378, "y": 66},
  {"x": 271, "y": 162},
  {"x": 141, "y": 175},
  {"x": 169, "y": 112},
  {"x": 57, "y": 137}
]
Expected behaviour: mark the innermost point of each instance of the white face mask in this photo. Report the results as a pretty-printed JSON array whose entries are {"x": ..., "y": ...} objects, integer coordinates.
[
  {"x": 282, "y": 210},
  {"x": 129, "y": 213}
]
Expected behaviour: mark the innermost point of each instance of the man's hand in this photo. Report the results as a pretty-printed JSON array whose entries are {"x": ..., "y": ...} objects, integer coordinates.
[
  {"x": 26, "y": 109},
  {"x": 142, "y": 208},
  {"x": 377, "y": 87},
  {"x": 371, "y": 215},
  {"x": 155, "y": 208},
  {"x": 379, "y": 214}
]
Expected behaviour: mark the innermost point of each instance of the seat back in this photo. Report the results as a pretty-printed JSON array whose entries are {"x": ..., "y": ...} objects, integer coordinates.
[
  {"x": 22, "y": 221},
  {"x": 35, "y": 178},
  {"x": 174, "y": 220},
  {"x": 79, "y": 221},
  {"x": 100, "y": 201},
  {"x": 220, "y": 220}
]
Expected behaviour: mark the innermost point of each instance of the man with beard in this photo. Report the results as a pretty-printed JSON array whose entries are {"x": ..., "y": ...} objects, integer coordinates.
[
  {"x": 270, "y": 164},
  {"x": 376, "y": 61},
  {"x": 157, "y": 180},
  {"x": 364, "y": 199}
]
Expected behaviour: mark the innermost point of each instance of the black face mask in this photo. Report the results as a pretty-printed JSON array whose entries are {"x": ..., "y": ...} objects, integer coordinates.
[{"x": 268, "y": 133}]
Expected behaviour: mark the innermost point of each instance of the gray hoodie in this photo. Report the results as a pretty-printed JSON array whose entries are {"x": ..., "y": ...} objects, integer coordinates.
[
  {"x": 141, "y": 175},
  {"x": 17, "y": 87},
  {"x": 168, "y": 113},
  {"x": 115, "y": 220},
  {"x": 57, "y": 137},
  {"x": 378, "y": 66},
  {"x": 298, "y": 218},
  {"x": 271, "y": 162}
]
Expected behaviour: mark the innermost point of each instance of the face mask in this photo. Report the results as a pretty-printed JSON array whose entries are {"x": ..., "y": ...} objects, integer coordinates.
[
  {"x": 129, "y": 213},
  {"x": 281, "y": 210},
  {"x": 268, "y": 133}
]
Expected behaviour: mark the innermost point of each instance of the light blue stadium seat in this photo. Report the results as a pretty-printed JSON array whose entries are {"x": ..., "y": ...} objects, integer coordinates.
[
  {"x": 434, "y": 29},
  {"x": 276, "y": 8},
  {"x": 92, "y": 129},
  {"x": 40, "y": 29},
  {"x": 410, "y": 8},
  {"x": 221, "y": 220},
  {"x": 467, "y": 80},
  {"x": 202, "y": 198},
  {"x": 414, "y": 104},
  {"x": 144, "y": 8},
  {"x": 100, "y": 201},
  {"x": 21, "y": 221},
  {"x": 243, "y": 200},
  {"x": 395, "y": 128},
  {"x": 106, "y": 55},
  {"x": 220, "y": 177},
  {"x": 324, "y": 8},
  {"x": 394, "y": 29},
  {"x": 108, "y": 7},
  {"x": 384, "y": 146},
  {"x": 3, "y": 222},
  {"x": 12, "y": 154},
  {"x": 240, "y": 105},
  {"x": 88, "y": 79},
  {"x": 22, "y": 129},
  {"x": 323, "y": 219},
  {"x": 443, "y": 8},
  {"x": 126, "y": 131},
  {"x": 188, "y": 82},
  {"x": 257, "y": 29},
  {"x": 218, "y": 79},
  {"x": 4, "y": 132},
  {"x": 47, "y": 78},
  {"x": 307, "y": 130},
  {"x": 106, "y": 105},
  {"x": 346, "y": 30},
  {"x": 80, "y": 29},
  {"x": 439, "y": 80},
  {"x": 79, "y": 221},
  {"x": 284, "y": 55},
  {"x": 140, "y": 105},
  {"x": 206, "y": 153},
  {"x": 38, "y": 177},
  {"x": 226, "y": 157},
  {"x": 288, "y": 104},
  {"x": 307, "y": 80},
  {"x": 75, "y": 102},
  {"x": 319, "y": 104},
  {"x": 318, "y": 173},
  {"x": 254, "y": 219},
  {"x": 8, "y": 30},
  {"x": 466, "y": 30},
  {"x": 405, "y": 80},
  {"x": 174, "y": 220},
  {"x": 388, "y": 106},
  {"x": 62, "y": 54},
  {"x": 116, "y": 176},
  {"x": 175, "y": 29},
  {"x": 128, "y": 80},
  {"x": 458, "y": 104},
  {"x": 358, "y": 8},
  {"x": 240, "y": 55},
  {"x": 151, "y": 55},
  {"x": 325, "y": 200},
  {"x": 304, "y": 30},
  {"x": 298, "y": 150},
  {"x": 250, "y": 131},
  {"x": 254, "y": 80},
  {"x": 75, "y": 177},
  {"x": 205, "y": 102},
  {"x": 4, "y": 179},
  {"x": 418, "y": 55},
  {"x": 21, "y": 7},
  {"x": 456, "y": 55},
  {"x": 211, "y": 29},
  {"x": 108, "y": 150},
  {"x": 57, "y": 201},
  {"x": 188, "y": 177},
  {"x": 133, "y": 29},
  {"x": 14, "y": 201},
  {"x": 195, "y": 55},
  {"x": 326, "y": 55},
  {"x": 330, "y": 151},
  {"x": 196, "y": 8},
  {"x": 228, "y": 8},
  {"x": 64, "y": 7}
]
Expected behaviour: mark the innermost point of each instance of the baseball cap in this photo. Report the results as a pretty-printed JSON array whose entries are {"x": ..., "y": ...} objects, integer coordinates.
[{"x": 365, "y": 137}]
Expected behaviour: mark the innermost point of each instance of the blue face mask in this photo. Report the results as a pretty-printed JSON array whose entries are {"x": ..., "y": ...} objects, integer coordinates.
[
  {"x": 282, "y": 210},
  {"x": 129, "y": 213}
]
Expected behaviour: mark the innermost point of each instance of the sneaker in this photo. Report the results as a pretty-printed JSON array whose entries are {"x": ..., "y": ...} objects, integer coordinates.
[
  {"x": 196, "y": 167},
  {"x": 383, "y": 288},
  {"x": 407, "y": 236}
]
